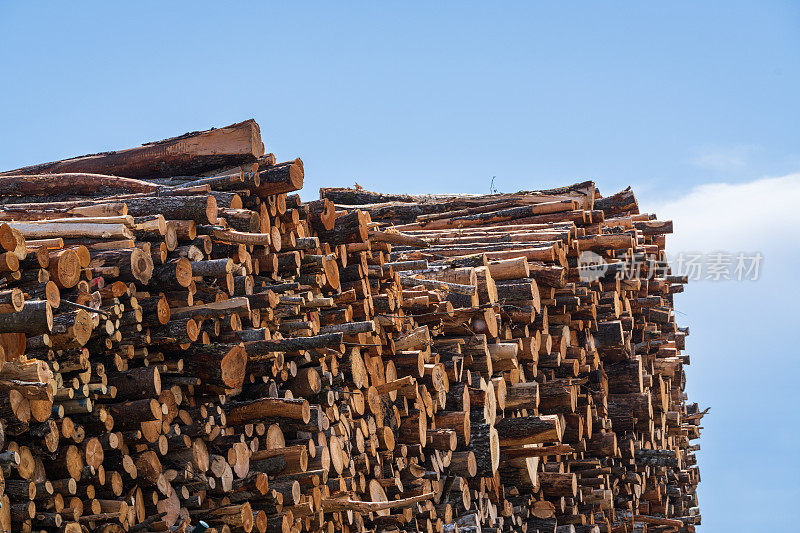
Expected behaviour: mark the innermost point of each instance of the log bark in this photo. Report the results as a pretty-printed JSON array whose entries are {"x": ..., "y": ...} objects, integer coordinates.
[
  {"x": 221, "y": 365},
  {"x": 35, "y": 317},
  {"x": 281, "y": 178},
  {"x": 191, "y": 153},
  {"x": 530, "y": 430},
  {"x": 201, "y": 208}
]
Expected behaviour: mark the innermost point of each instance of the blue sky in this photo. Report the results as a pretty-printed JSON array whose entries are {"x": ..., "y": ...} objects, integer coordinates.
[
  {"x": 668, "y": 97},
  {"x": 745, "y": 364}
]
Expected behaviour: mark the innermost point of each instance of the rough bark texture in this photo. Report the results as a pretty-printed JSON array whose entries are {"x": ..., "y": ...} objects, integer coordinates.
[{"x": 190, "y": 153}]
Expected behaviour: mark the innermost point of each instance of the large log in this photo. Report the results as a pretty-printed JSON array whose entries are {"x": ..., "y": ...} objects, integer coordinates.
[
  {"x": 281, "y": 178},
  {"x": 71, "y": 184},
  {"x": 529, "y": 430},
  {"x": 218, "y": 364},
  {"x": 201, "y": 208},
  {"x": 35, "y": 317},
  {"x": 77, "y": 208},
  {"x": 190, "y": 153}
]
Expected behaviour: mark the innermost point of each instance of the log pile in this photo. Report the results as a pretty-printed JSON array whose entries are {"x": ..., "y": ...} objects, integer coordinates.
[{"x": 186, "y": 344}]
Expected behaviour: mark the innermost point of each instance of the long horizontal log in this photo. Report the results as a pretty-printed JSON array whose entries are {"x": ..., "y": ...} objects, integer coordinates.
[
  {"x": 191, "y": 153},
  {"x": 538, "y": 451},
  {"x": 239, "y": 305},
  {"x": 325, "y": 340},
  {"x": 79, "y": 208},
  {"x": 345, "y": 504},
  {"x": 73, "y": 230},
  {"x": 530, "y": 430},
  {"x": 493, "y": 217},
  {"x": 397, "y": 238},
  {"x": 467, "y": 290},
  {"x": 201, "y": 208},
  {"x": 269, "y": 407},
  {"x": 71, "y": 184}
]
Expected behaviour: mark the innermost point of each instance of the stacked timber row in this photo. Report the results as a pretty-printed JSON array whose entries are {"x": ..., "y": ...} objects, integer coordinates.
[
  {"x": 574, "y": 300},
  {"x": 187, "y": 344}
]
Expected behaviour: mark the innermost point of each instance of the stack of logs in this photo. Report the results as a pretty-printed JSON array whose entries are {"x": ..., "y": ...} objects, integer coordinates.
[{"x": 188, "y": 347}]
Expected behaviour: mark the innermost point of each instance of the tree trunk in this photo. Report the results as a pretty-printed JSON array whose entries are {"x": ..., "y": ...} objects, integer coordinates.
[{"x": 191, "y": 153}]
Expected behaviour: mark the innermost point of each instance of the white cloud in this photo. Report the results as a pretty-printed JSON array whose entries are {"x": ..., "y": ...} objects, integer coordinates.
[{"x": 753, "y": 216}]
